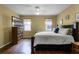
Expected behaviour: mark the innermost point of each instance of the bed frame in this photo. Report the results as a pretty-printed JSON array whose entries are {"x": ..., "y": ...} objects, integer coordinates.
[{"x": 66, "y": 47}]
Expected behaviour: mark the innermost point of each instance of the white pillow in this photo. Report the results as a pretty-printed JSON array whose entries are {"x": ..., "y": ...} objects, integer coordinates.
[
  {"x": 53, "y": 29},
  {"x": 63, "y": 31}
]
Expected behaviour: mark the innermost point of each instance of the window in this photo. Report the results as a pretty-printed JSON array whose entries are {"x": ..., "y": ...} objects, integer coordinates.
[
  {"x": 48, "y": 24},
  {"x": 27, "y": 24}
]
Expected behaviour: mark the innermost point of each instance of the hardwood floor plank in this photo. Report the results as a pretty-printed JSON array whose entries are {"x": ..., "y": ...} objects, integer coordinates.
[{"x": 24, "y": 47}]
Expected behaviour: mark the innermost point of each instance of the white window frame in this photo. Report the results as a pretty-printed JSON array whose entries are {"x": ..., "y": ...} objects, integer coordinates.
[
  {"x": 50, "y": 24},
  {"x": 27, "y": 22}
]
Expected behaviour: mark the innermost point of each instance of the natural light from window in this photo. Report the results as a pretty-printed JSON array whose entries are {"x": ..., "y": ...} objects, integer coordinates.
[
  {"x": 27, "y": 24},
  {"x": 48, "y": 24}
]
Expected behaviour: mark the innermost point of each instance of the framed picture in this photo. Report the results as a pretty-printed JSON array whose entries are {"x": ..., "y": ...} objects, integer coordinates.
[{"x": 77, "y": 16}]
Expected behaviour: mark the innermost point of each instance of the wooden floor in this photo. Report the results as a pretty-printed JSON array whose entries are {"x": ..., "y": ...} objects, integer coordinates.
[{"x": 24, "y": 47}]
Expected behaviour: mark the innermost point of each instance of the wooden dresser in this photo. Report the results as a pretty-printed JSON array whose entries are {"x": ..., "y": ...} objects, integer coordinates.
[{"x": 75, "y": 47}]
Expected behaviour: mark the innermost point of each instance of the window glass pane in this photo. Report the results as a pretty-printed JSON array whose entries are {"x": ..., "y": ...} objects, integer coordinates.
[
  {"x": 48, "y": 24},
  {"x": 27, "y": 24}
]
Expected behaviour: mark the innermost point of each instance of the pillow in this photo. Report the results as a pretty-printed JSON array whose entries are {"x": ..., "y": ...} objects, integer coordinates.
[
  {"x": 56, "y": 30},
  {"x": 64, "y": 31},
  {"x": 69, "y": 31},
  {"x": 53, "y": 29}
]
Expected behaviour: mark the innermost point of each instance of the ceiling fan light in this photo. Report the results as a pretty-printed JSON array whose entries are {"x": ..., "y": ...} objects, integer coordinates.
[
  {"x": 37, "y": 13},
  {"x": 37, "y": 8}
]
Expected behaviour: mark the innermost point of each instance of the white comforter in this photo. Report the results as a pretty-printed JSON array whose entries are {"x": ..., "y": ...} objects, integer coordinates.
[{"x": 52, "y": 38}]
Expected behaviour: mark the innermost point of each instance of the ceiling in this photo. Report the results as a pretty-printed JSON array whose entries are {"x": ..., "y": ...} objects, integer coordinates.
[{"x": 45, "y": 9}]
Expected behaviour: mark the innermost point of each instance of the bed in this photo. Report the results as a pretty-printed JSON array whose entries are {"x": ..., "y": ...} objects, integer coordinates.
[{"x": 50, "y": 40}]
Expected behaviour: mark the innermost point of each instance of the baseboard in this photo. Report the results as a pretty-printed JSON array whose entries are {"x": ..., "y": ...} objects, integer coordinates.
[{"x": 5, "y": 46}]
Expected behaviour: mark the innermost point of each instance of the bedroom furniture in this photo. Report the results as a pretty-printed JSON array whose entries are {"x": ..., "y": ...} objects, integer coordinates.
[
  {"x": 14, "y": 35},
  {"x": 75, "y": 47},
  {"x": 51, "y": 38},
  {"x": 64, "y": 47},
  {"x": 76, "y": 32},
  {"x": 60, "y": 46},
  {"x": 17, "y": 29},
  {"x": 32, "y": 43}
]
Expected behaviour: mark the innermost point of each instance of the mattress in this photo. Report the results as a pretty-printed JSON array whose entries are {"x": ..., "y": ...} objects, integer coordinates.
[{"x": 52, "y": 38}]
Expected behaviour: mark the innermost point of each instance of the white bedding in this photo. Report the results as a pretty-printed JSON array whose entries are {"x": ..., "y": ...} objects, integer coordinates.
[{"x": 52, "y": 38}]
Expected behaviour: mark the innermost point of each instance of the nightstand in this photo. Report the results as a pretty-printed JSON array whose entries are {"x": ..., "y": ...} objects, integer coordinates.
[{"x": 75, "y": 47}]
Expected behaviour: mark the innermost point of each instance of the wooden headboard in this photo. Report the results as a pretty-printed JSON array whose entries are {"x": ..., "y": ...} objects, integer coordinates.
[{"x": 67, "y": 26}]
